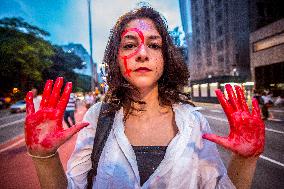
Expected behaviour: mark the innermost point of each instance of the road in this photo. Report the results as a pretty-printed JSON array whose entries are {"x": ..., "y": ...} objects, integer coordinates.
[{"x": 17, "y": 170}]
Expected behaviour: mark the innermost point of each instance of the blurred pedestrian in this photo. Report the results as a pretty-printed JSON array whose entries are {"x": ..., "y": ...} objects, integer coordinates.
[
  {"x": 70, "y": 110},
  {"x": 279, "y": 102},
  {"x": 36, "y": 98},
  {"x": 267, "y": 103},
  {"x": 257, "y": 96},
  {"x": 89, "y": 100}
]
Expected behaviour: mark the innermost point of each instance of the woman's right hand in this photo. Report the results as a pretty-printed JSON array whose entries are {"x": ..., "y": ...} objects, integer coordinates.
[{"x": 44, "y": 132}]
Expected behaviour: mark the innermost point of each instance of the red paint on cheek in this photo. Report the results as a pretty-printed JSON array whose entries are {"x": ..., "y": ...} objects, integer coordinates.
[
  {"x": 141, "y": 36},
  {"x": 127, "y": 71}
]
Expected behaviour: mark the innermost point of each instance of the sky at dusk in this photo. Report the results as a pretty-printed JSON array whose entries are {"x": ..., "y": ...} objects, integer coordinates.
[{"x": 67, "y": 20}]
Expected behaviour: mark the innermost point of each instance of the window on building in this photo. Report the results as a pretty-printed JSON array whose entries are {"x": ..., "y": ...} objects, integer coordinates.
[
  {"x": 204, "y": 90},
  {"x": 268, "y": 42},
  {"x": 197, "y": 31},
  {"x": 194, "y": 4},
  {"x": 208, "y": 49},
  {"x": 220, "y": 45},
  {"x": 218, "y": 3},
  {"x": 207, "y": 36},
  {"x": 195, "y": 90},
  {"x": 207, "y": 23},
  {"x": 219, "y": 31},
  {"x": 209, "y": 61},
  {"x": 220, "y": 59},
  {"x": 196, "y": 19},
  {"x": 219, "y": 15},
  {"x": 198, "y": 42}
]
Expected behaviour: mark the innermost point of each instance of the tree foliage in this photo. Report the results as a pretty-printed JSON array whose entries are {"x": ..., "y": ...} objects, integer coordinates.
[
  {"x": 23, "y": 56},
  {"x": 27, "y": 60},
  {"x": 64, "y": 64}
]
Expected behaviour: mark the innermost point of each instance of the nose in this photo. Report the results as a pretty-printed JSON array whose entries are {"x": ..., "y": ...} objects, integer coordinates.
[{"x": 142, "y": 54}]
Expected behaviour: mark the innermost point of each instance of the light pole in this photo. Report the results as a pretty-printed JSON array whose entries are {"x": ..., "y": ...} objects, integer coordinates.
[{"x": 91, "y": 46}]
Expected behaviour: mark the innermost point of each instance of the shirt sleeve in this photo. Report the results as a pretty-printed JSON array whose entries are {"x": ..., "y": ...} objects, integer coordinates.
[
  {"x": 80, "y": 163},
  {"x": 212, "y": 172}
]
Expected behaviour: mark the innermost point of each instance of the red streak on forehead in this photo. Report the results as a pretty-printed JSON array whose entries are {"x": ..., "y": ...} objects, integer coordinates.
[{"x": 139, "y": 32}]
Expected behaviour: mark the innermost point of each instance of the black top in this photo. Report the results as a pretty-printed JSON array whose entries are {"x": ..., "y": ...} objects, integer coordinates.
[{"x": 148, "y": 159}]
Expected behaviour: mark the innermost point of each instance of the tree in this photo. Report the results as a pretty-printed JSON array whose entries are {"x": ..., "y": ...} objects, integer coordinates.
[
  {"x": 27, "y": 60},
  {"x": 24, "y": 54},
  {"x": 64, "y": 64}
]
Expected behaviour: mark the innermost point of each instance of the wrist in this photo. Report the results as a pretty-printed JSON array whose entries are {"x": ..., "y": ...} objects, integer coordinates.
[
  {"x": 247, "y": 160},
  {"x": 47, "y": 156}
]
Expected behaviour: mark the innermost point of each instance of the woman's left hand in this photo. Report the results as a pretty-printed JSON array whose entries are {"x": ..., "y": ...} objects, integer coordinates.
[{"x": 247, "y": 130}]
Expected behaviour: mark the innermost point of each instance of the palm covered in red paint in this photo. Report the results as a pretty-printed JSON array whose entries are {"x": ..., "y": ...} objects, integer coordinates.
[
  {"x": 247, "y": 130},
  {"x": 44, "y": 132}
]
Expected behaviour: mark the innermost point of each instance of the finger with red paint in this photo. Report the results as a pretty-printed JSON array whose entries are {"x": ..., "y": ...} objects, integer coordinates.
[
  {"x": 62, "y": 103},
  {"x": 43, "y": 129},
  {"x": 46, "y": 94},
  {"x": 241, "y": 98},
  {"x": 232, "y": 97},
  {"x": 55, "y": 92},
  {"x": 247, "y": 130},
  {"x": 30, "y": 109}
]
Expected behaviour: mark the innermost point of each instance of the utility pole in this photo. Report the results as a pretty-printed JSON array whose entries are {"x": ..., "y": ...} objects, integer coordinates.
[{"x": 91, "y": 46}]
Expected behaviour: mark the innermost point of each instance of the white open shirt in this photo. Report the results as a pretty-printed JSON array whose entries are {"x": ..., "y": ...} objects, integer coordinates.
[{"x": 190, "y": 162}]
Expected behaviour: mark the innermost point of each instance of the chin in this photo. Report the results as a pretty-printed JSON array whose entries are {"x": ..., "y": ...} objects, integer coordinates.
[{"x": 143, "y": 83}]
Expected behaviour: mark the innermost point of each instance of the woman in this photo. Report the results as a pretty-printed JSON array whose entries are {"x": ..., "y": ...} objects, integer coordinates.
[{"x": 156, "y": 139}]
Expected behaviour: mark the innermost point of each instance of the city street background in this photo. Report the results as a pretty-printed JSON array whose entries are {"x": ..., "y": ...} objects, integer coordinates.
[
  {"x": 17, "y": 170},
  {"x": 222, "y": 41}
]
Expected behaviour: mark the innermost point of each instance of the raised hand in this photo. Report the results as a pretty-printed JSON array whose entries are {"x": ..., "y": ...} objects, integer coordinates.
[
  {"x": 247, "y": 130},
  {"x": 43, "y": 129}
]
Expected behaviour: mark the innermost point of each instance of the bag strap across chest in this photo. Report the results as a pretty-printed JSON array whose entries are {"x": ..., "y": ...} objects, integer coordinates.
[{"x": 104, "y": 126}]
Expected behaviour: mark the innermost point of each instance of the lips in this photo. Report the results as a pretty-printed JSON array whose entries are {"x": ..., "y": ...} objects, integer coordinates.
[{"x": 142, "y": 69}]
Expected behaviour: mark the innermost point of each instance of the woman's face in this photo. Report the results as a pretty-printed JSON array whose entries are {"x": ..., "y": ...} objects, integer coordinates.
[{"x": 140, "y": 53}]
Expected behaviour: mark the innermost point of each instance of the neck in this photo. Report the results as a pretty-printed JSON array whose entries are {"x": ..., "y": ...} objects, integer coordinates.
[{"x": 150, "y": 96}]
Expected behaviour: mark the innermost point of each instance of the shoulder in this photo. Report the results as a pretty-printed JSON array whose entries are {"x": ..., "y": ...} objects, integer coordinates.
[
  {"x": 93, "y": 112},
  {"x": 188, "y": 110},
  {"x": 192, "y": 116}
]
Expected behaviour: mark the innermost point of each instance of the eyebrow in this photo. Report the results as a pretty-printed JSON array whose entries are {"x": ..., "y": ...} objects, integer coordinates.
[
  {"x": 154, "y": 37},
  {"x": 130, "y": 37},
  {"x": 151, "y": 37}
]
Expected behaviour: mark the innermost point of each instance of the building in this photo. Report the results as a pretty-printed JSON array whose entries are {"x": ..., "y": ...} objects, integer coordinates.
[
  {"x": 267, "y": 57},
  {"x": 220, "y": 53},
  {"x": 220, "y": 50},
  {"x": 80, "y": 51},
  {"x": 184, "y": 6}
]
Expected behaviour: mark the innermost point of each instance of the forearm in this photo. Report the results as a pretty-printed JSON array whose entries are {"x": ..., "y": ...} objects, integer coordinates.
[
  {"x": 241, "y": 171},
  {"x": 50, "y": 172}
]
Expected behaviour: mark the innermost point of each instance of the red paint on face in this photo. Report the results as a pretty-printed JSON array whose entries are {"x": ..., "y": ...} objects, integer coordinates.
[
  {"x": 247, "y": 130},
  {"x": 141, "y": 36}
]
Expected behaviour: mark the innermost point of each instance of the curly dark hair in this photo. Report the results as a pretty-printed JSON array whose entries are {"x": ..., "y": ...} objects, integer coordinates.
[{"x": 173, "y": 79}]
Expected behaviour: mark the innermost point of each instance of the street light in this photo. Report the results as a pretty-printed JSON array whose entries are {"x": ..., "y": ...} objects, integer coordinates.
[{"x": 91, "y": 46}]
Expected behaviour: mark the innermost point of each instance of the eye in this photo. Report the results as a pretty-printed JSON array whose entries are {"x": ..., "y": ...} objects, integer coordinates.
[
  {"x": 154, "y": 46},
  {"x": 128, "y": 46}
]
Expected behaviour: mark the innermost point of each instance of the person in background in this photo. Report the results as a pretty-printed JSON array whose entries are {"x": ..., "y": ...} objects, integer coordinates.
[
  {"x": 70, "y": 110},
  {"x": 89, "y": 100},
  {"x": 279, "y": 102},
  {"x": 36, "y": 99}
]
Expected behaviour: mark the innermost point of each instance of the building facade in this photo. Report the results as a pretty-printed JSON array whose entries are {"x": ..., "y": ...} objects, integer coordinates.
[
  {"x": 220, "y": 47},
  {"x": 267, "y": 57}
]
